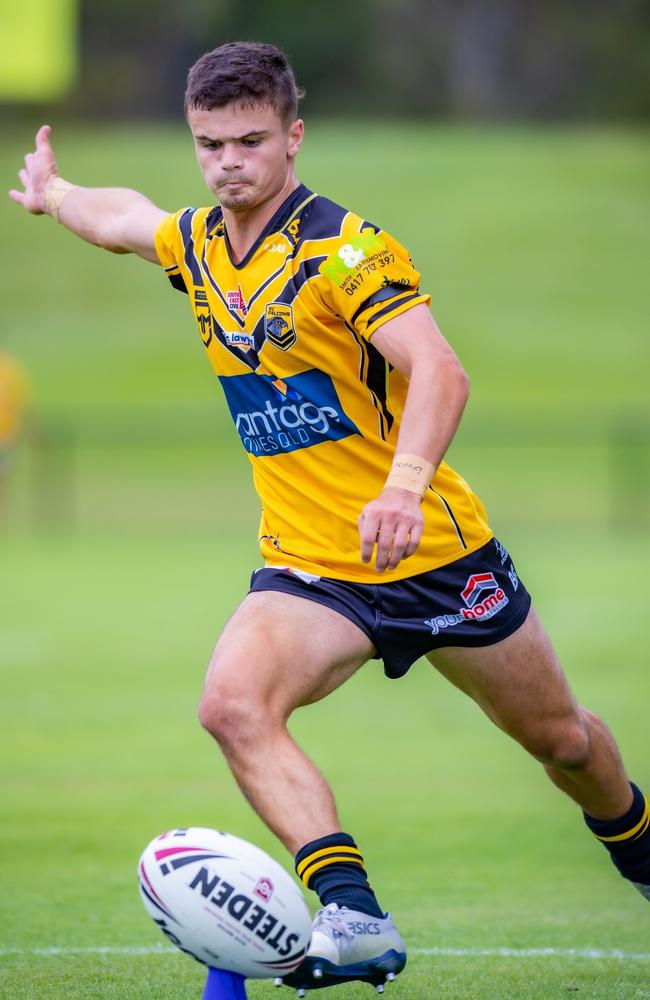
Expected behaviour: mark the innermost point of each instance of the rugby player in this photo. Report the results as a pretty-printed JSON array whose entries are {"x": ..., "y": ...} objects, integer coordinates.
[
  {"x": 346, "y": 397},
  {"x": 13, "y": 403}
]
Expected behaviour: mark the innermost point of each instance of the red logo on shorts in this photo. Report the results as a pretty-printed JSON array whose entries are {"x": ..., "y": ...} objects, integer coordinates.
[
  {"x": 474, "y": 586},
  {"x": 490, "y": 605}
]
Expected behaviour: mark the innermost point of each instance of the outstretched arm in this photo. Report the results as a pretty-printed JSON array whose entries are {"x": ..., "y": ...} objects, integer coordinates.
[{"x": 117, "y": 219}]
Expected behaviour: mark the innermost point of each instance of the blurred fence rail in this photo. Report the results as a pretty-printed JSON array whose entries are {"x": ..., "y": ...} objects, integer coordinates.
[{"x": 181, "y": 470}]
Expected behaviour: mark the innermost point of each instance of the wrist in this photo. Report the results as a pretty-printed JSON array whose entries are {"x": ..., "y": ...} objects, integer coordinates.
[
  {"x": 411, "y": 473},
  {"x": 54, "y": 194},
  {"x": 406, "y": 494}
]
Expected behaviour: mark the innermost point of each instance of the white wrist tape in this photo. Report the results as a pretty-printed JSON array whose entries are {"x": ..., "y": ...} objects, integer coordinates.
[
  {"x": 54, "y": 195},
  {"x": 411, "y": 472}
]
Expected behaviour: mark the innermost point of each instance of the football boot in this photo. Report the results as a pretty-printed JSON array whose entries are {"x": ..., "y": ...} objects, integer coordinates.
[{"x": 348, "y": 945}]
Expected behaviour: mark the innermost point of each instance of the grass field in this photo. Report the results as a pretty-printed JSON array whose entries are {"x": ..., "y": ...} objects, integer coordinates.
[{"x": 534, "y": 246}]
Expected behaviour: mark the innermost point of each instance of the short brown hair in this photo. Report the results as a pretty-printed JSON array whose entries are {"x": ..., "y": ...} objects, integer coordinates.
[{"x": 248, "y": 73}]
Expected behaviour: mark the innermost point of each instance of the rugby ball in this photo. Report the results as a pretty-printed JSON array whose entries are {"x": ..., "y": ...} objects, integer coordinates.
[{"x": 225, "y": 902}]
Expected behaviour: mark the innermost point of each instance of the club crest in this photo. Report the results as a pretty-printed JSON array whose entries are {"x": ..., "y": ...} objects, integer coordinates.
[{"x": 278, "y": 325}]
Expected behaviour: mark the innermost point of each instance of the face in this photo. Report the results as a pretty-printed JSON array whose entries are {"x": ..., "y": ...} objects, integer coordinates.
[{"x": 245, "y": 154}]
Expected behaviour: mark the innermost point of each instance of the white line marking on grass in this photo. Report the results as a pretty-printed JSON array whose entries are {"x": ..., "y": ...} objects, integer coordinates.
[
  {"x": 616, "y": 953},
  {"x": 161, "y": 949}
]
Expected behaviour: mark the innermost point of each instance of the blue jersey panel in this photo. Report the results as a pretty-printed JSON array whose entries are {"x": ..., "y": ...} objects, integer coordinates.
[{"x": 275, "y": 416}]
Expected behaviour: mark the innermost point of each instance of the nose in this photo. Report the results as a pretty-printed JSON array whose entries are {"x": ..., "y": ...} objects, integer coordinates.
[{"x": 232, "y": 157}]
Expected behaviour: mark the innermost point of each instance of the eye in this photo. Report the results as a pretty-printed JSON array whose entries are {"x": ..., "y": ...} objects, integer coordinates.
[{"x": 251, "y": 142}]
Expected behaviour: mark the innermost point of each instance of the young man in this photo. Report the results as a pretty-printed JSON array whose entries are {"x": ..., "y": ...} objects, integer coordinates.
[{"x": 346, "y": 397}]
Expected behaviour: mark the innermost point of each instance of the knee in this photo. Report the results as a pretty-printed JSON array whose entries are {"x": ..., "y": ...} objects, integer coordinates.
[
  {"x": 562, "y": 744},
  {"x": 231, "y": 716}
]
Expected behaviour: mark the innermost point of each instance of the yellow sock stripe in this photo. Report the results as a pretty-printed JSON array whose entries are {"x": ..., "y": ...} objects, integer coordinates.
[
  {"x": 335, "y": 849},
  {"x": 637, "y": 830},
  {"x": 347, "y": 858},
  {"x": 641, "y": 832}
]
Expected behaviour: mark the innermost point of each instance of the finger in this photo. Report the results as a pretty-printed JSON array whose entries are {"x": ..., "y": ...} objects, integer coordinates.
[
  {"x": 415, "y": 537},
  {"x": 398, "y": 548},
  {"x": 23, "y": 176},
  {"x": 43, "y": 139},
  {"x": 368, "y": 527},
  {"x": 385, "y": 540},
  {"x": 17, "y": 196},
  {"x": 28, "y": 160}
]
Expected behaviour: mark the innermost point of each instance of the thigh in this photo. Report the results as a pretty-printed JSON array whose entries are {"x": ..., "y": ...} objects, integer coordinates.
[
  {"x": 286, "y": 650},
  {"x": 518, "y": 682}
]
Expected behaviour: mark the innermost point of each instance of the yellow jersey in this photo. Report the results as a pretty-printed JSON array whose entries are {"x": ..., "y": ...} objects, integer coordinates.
[
  {"x": 288, "y": 332},
  {"x": 13, "y": 398}
]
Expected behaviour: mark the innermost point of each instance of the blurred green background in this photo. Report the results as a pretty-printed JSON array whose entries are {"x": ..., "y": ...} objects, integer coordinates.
[{"x": 506, "y": 147}]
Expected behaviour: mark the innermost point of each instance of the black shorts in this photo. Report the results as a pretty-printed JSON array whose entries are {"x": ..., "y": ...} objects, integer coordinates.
[{"x": 476, "y": 600}]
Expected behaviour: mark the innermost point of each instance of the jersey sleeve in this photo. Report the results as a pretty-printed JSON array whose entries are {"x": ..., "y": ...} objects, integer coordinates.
[
  {"x": 171, "y": 250},
  {"x": 369, "y": 278}
]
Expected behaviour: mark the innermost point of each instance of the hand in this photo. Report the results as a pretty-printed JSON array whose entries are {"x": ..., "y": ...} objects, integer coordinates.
[
  {"x": 40, "y": 167},
  {"x": 394, "y": 522}
]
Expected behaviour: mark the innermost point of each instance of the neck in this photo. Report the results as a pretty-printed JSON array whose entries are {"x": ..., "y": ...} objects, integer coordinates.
[{"x": 244, "y": 226}]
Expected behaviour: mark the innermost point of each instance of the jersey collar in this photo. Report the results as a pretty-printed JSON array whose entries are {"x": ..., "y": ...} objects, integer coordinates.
[{"x": 282, "y": 217}]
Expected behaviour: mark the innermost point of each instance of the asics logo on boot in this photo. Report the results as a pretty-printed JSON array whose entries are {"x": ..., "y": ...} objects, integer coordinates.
[{"x": 357, "y": 927}]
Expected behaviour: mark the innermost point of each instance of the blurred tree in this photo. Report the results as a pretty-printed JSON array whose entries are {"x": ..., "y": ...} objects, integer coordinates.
[
  {"x": 505, "y": 58},
  {"x": 474, "y": 58}
]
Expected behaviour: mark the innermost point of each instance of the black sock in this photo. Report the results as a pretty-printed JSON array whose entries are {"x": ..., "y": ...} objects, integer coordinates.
[
  {"x": 627, "y": 838},
  {"x": 333, "y": 867}
]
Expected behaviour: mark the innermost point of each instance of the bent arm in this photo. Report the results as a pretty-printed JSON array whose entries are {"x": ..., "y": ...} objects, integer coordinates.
[
  {"x": 436, "y": 397},
  {"x": 117, "y": 219},
  {"x": 438, "y": 386}
]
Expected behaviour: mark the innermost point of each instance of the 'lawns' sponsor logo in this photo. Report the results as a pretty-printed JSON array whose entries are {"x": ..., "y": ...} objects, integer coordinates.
[{"x": 237, "y": 338}]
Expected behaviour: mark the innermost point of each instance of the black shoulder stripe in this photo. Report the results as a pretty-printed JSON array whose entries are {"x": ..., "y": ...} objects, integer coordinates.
[
  {"x": 322, "y": 219},
  {"x": 382, "y": 295},
  {"x": 185, "y": 227},
  {"x": 392, "y": 306},
  {"x": 213, "y": 219},
  {"x": 377, "y": 382},
  {"x": 178, "y": 282},
  {"x": 373, "y": 373}
]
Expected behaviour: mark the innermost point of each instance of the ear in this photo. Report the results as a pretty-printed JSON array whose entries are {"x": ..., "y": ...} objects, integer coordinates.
[{"x": 295, "y": 136}]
